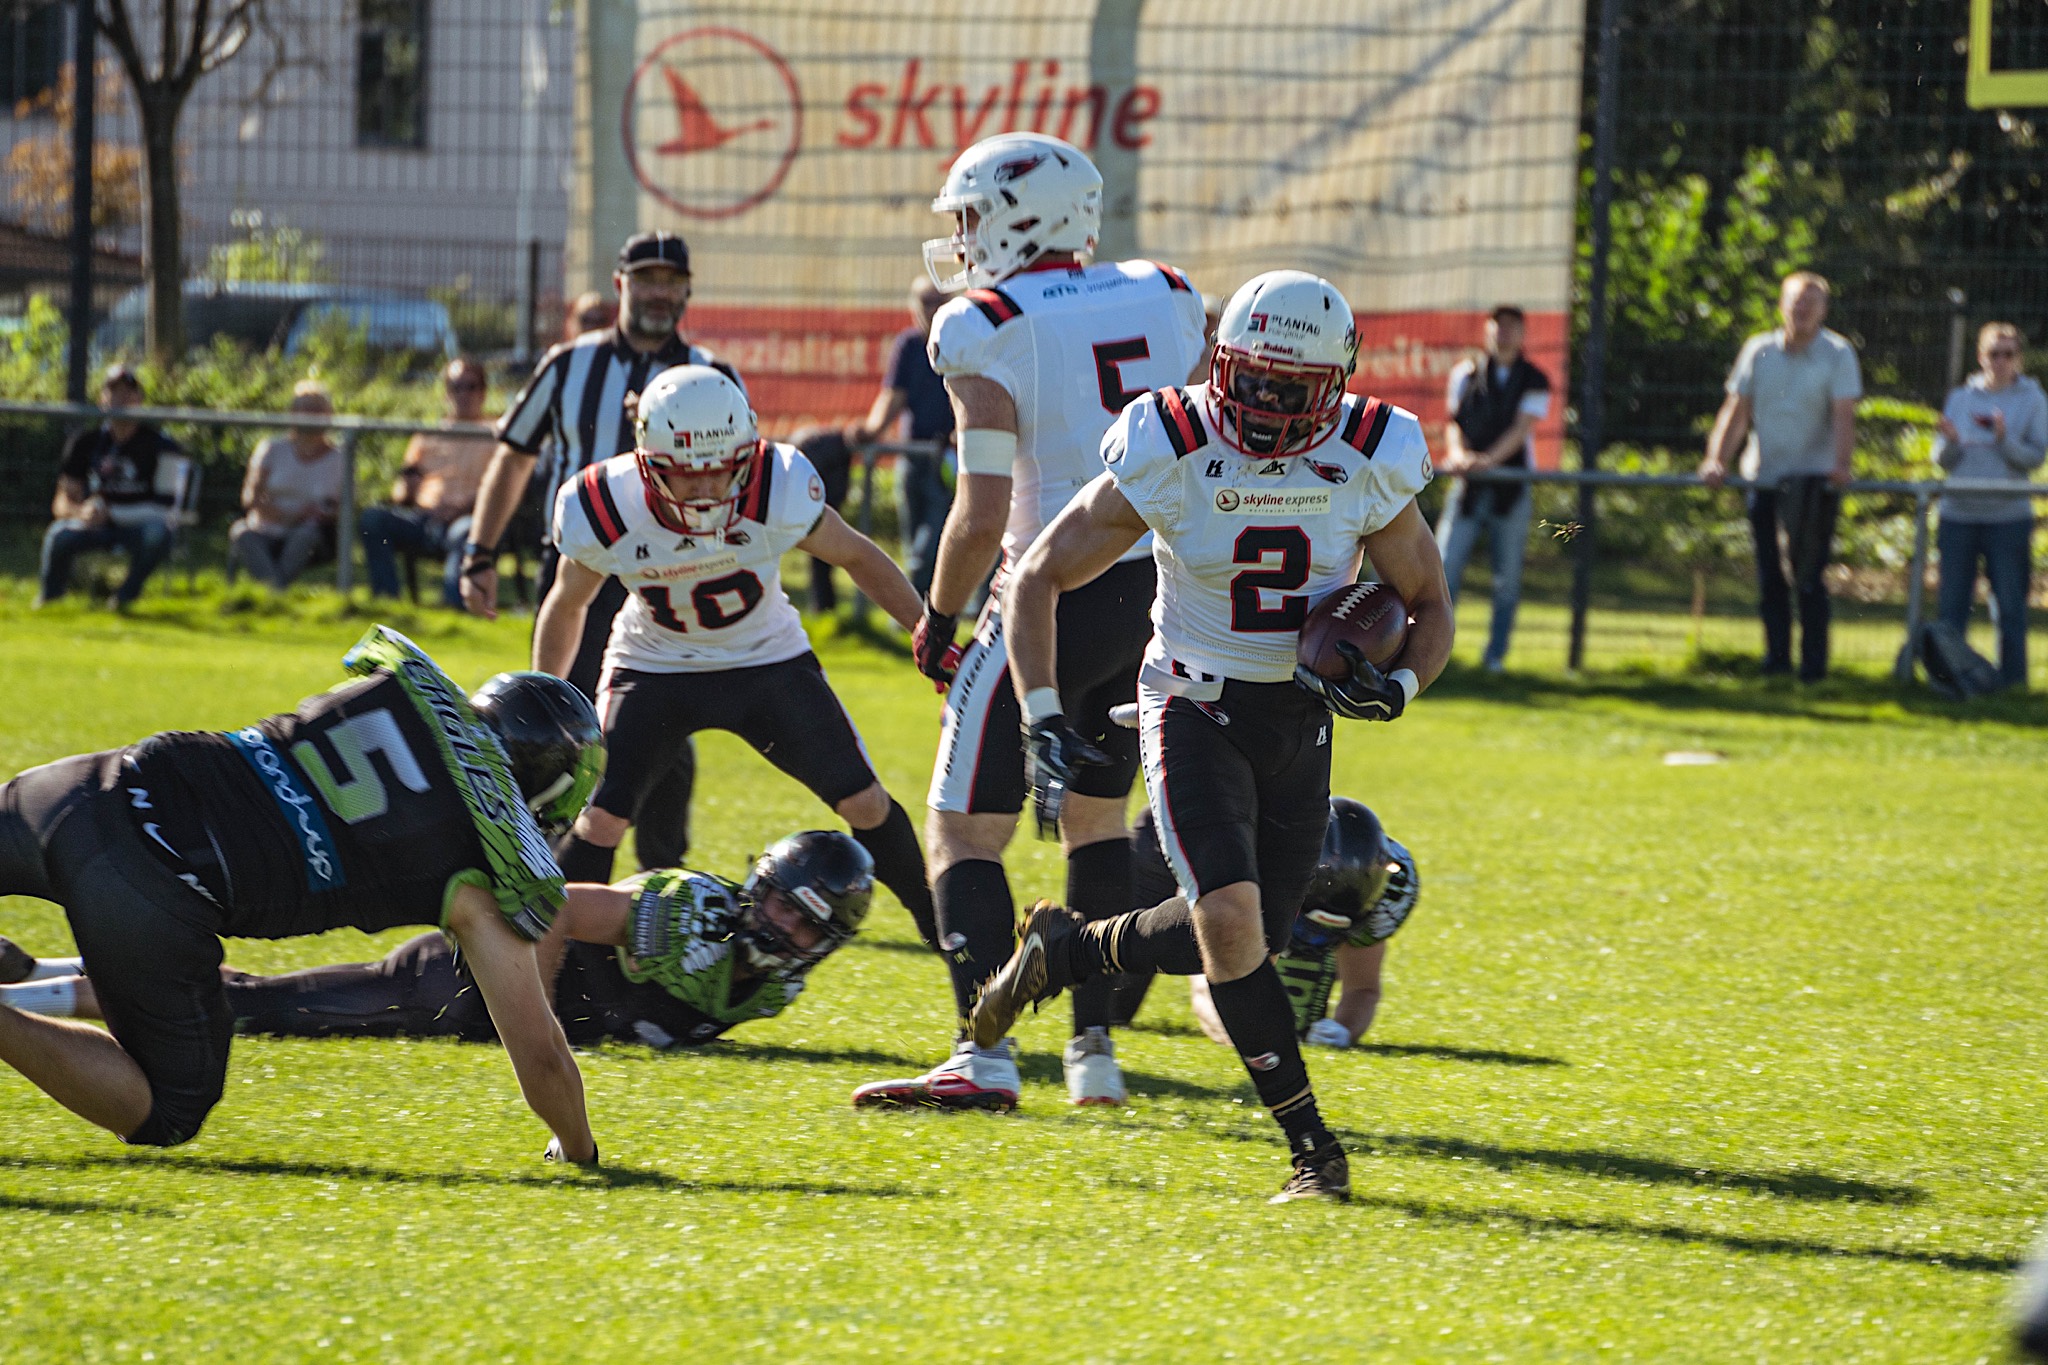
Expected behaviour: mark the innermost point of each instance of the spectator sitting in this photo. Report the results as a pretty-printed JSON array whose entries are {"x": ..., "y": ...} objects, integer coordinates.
[
  {"x": 107, "y": 497},
  {"x": 1793, "y": 394},
  {"x": 290, "y": 495},
  {"x": 434, "y": 494},
  {"x": 910, "y": 386},
  {"x": 1495, "y": 401},
  {"x": 1993, "y": 427}
]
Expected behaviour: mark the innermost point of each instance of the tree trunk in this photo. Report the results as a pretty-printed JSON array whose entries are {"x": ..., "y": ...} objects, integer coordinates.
[{"x": 163, "y": 264}]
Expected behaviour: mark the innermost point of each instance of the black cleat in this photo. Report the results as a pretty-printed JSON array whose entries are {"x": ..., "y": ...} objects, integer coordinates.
[
  {"x": 1321, "y": 1174},
  {"x": 15, "y": 965},
  {"x": 1036, "y": 972}
]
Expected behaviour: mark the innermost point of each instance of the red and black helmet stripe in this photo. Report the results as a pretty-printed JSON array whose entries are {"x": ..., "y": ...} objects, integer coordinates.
[
  {"x": 1366, "y": 425},
  {"x": 1184, "y": 428},
  {"x": 754, "y": 499},
  {"x": 594, "y": 491},
  {"x": 1175, "y": 281},
  {"x": 995, "y": 305}
]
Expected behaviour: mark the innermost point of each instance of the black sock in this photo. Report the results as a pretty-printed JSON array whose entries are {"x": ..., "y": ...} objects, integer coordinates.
[
  {"x": 1098, "y": 888},
  {"x": 1142, "y": 942},
  {"x": 899, "y": 865},
  {"x": 583, "y": 861},
  {"x": 1256, "y": 1013},
  {"x": 1127, "y": 996},
  {"x": 977, "y": 923}
]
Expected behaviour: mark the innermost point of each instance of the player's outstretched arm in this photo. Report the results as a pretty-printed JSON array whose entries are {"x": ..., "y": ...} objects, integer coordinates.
[
  {"x": 1403, "y": 553},
  {"x": 559, "y": 629},
  {"x": 1358, "y": 983},
  {"x": 867, "y": 564},
  {"x": 505, "y": 970},
  {"x": 1083, "y": 541}
]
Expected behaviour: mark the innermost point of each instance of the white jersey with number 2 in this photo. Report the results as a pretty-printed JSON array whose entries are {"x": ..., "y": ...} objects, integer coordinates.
[
  {"x": 694, "y": 603},
  {"x": 1072, "y": 346},
  {"x": 1246, "y": 546}
]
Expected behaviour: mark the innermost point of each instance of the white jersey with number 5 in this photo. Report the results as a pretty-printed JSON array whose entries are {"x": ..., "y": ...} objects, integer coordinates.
[
  {"x": 695, "y": 603},
  {"x": 1072, "y": 346},
  {"x": 1247, "y": 546}
]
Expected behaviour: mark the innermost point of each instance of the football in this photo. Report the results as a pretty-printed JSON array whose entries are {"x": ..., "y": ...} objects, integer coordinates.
[{"x": 1371, "y": 616}]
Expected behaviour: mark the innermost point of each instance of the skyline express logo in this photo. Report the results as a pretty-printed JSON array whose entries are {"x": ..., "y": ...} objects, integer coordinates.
[{"x": 1283, "y": 502}]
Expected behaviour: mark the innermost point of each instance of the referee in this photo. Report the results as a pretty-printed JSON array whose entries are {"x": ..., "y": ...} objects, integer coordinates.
[{"x": 576, "y": 400}]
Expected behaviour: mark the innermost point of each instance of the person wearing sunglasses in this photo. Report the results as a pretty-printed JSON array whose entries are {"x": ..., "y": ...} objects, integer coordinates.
[
  {"x": 1993, "y": 427},
  {"x": 435, "y": 492}
]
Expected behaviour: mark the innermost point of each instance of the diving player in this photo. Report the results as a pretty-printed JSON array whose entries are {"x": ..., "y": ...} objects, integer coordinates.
[
  {"x": 1262, "y": 488},
  {"x": 392, "y": 799},
  {"x": 685, "y": 956},
  {"x": 695, "y": 523},
  {"x": 1040, "y": 353}
]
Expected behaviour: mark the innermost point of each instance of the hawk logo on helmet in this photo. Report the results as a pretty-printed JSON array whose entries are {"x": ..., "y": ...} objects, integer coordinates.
[{"x": 1017, "y": 168}]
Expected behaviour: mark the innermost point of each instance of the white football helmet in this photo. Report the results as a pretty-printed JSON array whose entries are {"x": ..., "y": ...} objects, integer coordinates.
[
  {"x": 1029, "y": 194},
  {"x": 1285, "y": 348},
  {"x": 694, "y": 420}
]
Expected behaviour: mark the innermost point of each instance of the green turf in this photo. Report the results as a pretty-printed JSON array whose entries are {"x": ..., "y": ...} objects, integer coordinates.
[{"x": 1724, "y": 1063}]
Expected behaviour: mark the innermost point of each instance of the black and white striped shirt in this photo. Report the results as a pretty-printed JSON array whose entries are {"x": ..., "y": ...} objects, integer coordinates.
[{"x": 576, "y": 400}]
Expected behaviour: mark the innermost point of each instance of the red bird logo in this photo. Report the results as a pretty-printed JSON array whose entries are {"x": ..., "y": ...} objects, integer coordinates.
[{"x": 696, "y": 129}]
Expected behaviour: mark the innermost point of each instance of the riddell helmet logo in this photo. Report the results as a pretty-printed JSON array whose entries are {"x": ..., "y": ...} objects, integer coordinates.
[{"x": 719, "y": 118}]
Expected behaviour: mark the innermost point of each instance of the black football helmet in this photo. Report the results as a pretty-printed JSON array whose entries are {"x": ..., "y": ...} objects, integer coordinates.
[
  {"x": 829, "y": 879},
  {"x": 552, "y": 739},
  {"x": 1349, "y": 881}
]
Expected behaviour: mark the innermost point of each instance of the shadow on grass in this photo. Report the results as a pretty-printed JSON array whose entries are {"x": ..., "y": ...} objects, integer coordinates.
[
  {"x": 623, "y": 1177},
  {"x": 1670, "y": 1232},
  {"x": 1162, "y": 1028},
  {"x": 890, "y": 945},
  {"x": 29, "y": 1203},
  {"x": 814, "y": 1056},
  {"x": 1799, "y": 1184},
  {"x": 1444, "y": 1052},
  {"x": 1141, "y": 1084}
]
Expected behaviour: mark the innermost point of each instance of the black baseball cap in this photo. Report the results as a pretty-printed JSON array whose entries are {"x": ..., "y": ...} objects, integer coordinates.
[
  {"x": 120, "y": 374},
  {"x": 654, "y": 248}
]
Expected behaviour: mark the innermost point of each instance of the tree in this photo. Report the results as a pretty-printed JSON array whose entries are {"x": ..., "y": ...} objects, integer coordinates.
[
  {"x": 40, "y": 167},
  {"x": 165, "y": 47}
]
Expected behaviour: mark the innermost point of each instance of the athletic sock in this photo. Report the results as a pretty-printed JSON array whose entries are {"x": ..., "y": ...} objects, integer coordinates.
[
  {"x": 1098, "y": 888},
  {"x": 899, "y": 865},
  {"x": 1127, "y": 996},
  {"x": 57, "y": 996},
  {"x": 1255, "y": 1011},
  {"x": 977, "y": 925},
  {"x": 583, "y": 861},
  {"x": 1142, "y": 942},
  {"x": 48, "y": 967}
]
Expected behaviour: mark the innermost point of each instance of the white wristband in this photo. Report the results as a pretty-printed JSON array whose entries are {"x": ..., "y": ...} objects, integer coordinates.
[
  {"x": 984, "y": 450},
  {"x": 1039, "y": 703},
  {"x": 1410, "y": 684}
]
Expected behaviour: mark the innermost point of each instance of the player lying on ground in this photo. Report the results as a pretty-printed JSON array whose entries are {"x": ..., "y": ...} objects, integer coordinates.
[
  {"x": 1363, "y": 891},
  {"x": 666, "y": 958},
  {"x": 1262, "y": 488},
  {"x": 1039, "y": 355},
  {"x": 695, "y": 523},
  {"x": 392, "y": 799}
]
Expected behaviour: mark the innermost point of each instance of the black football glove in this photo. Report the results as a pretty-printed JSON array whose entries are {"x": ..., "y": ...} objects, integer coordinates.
[
  {"x": 931, "y": 645},
  {"x": 1367, "y": 694},
  {"x": 554, "y": 1153},
  {"x": 1056, "y": 753}
]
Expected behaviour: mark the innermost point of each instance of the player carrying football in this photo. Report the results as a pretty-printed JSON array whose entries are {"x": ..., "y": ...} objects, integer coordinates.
[
  {"x": 1040, "y": 354},
  {"x": 695, "y": 523},
  {"x": 1262, "y": 487},
  {"x": 392, "y": 799},
  {"x": 684, "y": 957}
]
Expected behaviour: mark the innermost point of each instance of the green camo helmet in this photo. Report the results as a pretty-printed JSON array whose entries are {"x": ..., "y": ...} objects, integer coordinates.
[{"x": 552, "y": 739}]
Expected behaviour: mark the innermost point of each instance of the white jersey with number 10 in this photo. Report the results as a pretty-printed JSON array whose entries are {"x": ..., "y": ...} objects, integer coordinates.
[
  {"x": 1072, "y": 346},
  {"x": 1246, "y": 546}
]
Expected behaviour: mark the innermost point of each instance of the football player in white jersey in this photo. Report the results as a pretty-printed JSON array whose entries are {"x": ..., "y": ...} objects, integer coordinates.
[
  {"x": 695, "y": 523},
  {"x": 1261, "y": 488},
  {"x": 1040, "y": 353}
]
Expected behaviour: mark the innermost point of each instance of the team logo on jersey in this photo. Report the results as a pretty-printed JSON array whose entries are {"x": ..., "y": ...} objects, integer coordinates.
[
  {"x": 1329, "y": 473},
  {"x": 1279, "y": 502},
  {"x": 1017, "y": 168},
  {"x": 817, "y": 489}
]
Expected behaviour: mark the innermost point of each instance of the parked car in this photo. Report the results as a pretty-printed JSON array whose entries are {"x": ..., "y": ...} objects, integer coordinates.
[{"x": 286, "y": 316}]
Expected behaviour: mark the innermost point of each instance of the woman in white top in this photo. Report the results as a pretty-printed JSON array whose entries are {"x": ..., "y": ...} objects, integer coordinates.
[{"x": 290, "y": 496}]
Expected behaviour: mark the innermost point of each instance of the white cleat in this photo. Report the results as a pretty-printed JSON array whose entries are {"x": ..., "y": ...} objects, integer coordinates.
[
  {"x": 1093, "y": 1077},
  {"x": 972, "y": 1078}
]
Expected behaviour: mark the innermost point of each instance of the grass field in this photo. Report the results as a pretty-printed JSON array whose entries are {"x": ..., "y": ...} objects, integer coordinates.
[{"x": 1740, "y": 1062}]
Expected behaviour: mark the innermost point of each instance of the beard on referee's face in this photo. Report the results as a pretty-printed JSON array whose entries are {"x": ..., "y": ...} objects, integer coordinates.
[{"x": 652, "y": 301}]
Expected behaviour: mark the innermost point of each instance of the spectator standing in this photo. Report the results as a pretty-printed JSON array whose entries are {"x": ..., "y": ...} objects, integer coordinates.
[
  {"x": 592, "y": 312},
  {"x": 1791, "y": 406},
  {"x": 107, "y": 496},
  {"x": 1994, "y": 427},
  {"x": 290, "y": 495},
  {"x": 1495, "y": 400},
  {"x": 910, "y": 386},
  {"x": 435, "y": 492}
]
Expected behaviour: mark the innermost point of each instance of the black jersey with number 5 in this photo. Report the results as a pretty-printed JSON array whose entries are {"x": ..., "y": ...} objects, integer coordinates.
[{"x": 340, "y": 813}]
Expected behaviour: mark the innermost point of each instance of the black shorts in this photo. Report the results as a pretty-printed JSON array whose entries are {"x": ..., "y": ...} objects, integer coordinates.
[
  {"x": 597, "y": 1003},
  {"x": 151, "y": 943},
  {"x": 1240, "y": 789},
  {"x": 787, "y": 711},
  {"x": 415, "y": 990},
  {"x": 1103, "y": 628}
]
